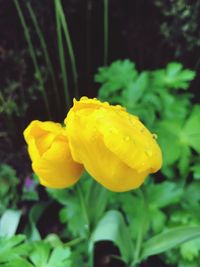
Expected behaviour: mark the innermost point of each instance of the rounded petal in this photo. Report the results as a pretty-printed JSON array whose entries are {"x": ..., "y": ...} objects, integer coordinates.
[
  {"x": 50, "y": 154},
  {"x": 56, "y": 168},
  {"x": 114, "y": 146}
]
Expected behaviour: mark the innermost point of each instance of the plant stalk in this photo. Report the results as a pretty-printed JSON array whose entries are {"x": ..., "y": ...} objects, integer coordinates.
[
  {"x": 105, "y": 3},
  {"x": 65, "y": 28},
  {"x": 38, "y": 73},
  {"x": 45, "y": 52},
  {"x": 141, "y": 232}
]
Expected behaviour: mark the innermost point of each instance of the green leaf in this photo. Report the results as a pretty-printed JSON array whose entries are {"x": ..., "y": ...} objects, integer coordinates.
[
  {"x": 158, "y": 219},
  {"x": 69, "y": 214},
  {"x": 9, "y": 222},
  {"x": 136, "y": 89},
  {"x": 43, "y": 255},
  {"x": 191, "y": 131},
  {"x": 190, "y": 250},
  {"x": 19, "y": 262},
  {"x": 119, "y": 75},
  {"x": 60, "y": 257},
  {"x": 132, "y": 206},
  {"x": 184, "y": 162},
  {"x": 192, "y": 196},
  {"x": 113, "y": 228},
  {"x": 163, "y": 194},
  {"x": 34, "y": 215},
  {"x": 98, "y": 196},
  {"x": 176, "y": 77},
  {"x": 196, "y": 171},
  {"x": 169, "y": 239},
  {"x": 168, "y": 132},
  {"x": 40, "y": 254},
  {"x": 8, "y": 183},
  {"x": 12, "y": 248},
  {"x": 60, "y": 195}
]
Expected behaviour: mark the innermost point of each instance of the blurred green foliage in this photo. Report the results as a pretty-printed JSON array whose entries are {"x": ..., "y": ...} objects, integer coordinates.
[
  {"x": 15, "y": 252},
  {"x": 8, "y": 188},
  {"x": 161, "y": 100},
  {"x": 181, "y": 25},
  {"x": 163, "y": 214}
]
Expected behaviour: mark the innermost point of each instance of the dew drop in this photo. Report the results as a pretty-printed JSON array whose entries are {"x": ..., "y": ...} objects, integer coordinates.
[
  {"x": 155, "y": 136},
  {"x": 127, "y": 138}
]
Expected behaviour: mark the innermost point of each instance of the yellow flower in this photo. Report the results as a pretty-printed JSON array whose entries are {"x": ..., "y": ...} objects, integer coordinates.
[
  {"x": 113, "y": 146},
  {"x": 50, "y": 154}
]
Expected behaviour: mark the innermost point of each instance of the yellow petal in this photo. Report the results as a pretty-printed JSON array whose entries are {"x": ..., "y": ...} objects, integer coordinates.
[
  {"x": 114, "y": 146},
  {"x": 56, "y": 168},
  {"x": 50, "y": 154}
]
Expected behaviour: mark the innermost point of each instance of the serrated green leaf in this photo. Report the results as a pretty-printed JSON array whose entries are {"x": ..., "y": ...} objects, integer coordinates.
[
  {"x": 192, "y": 195},
  {"x": 190, "y": 250},
  {"x": 163, "y": 194},
  {"x": 12, "y": 248},
  {"x": 176, "y": 77},
  {"x": 60, "y": 257},
  {"x": 19, "y": 262},
  {"x": 136, "y": 89},
  {"x": 40, "y": 254},
  {"x": 169, "y": 133},
  {"x": 168, "y": 240},
  {"x": 119, "y": 75}
]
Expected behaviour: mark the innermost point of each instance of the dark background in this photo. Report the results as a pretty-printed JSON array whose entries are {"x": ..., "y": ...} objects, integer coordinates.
[{"x": 149, "y": 32}]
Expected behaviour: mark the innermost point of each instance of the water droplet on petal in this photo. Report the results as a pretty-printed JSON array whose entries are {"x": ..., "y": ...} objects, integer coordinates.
[
  {"x": 84, "y": 98},
  {"x": 155, "y": 136},
  {"x": 127, "y": 138}
]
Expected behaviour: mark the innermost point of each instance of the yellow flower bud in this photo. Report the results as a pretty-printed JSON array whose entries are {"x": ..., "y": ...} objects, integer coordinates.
[
  {"x": 50, "y": 154},
  {"x": 113, "y": 146}
]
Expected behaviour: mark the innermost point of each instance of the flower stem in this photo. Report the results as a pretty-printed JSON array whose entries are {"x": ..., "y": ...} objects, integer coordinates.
[
  {"x": 83, "y": 206},
  {"x": 74, "y": 242},
  {"x": 141, "y": 231}
]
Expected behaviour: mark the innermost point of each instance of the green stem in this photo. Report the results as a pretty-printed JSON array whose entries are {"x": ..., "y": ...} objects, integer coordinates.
[
  {"x": 83, "y": 206},
  {"x": 38, "y": 73},
  {"x": 141, "y": 231},
  {"x": 74, "y": 242},
  {"x": 45, "y": 52},
  {"x": 62, "y": 55},
  {"x": 64, "y": 24},
  {"x": 105, "y": 2}
]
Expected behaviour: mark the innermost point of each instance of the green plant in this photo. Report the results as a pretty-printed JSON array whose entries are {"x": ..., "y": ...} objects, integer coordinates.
[
  {"x": 38, "y": 73},
  {"x": 62, "y": 32},
  {"x": 15, "y": 251},
  {"x": 8, "y": 188},
  {"x": 180, "y": 27},
  {"x": 159, "y": 97}
]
